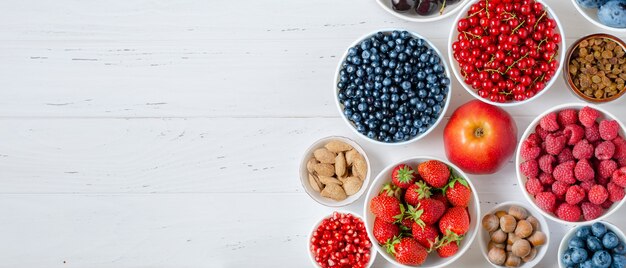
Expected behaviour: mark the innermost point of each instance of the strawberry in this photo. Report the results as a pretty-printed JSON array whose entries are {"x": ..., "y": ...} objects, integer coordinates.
[
  {"x": 427, "y": 235},
  {"x": 387, "y": 208},
  {"x": 406, "y": 224},
  {"x": 439, "y": 196},
  {"x": 456, "y": 220},
  {"x": 415, "y": 192},
  {"x": 449, "y": 245},
  {"x": 407, "y": 251},
  {"x": 384, "y": 231},
  {"x": 428, "y": 211},
  {"x": 389, "y": 189},
  {"x": 403, "y": 176},
  {"x": 434, "y": 172},
  {"x": 458, "y": 192}
]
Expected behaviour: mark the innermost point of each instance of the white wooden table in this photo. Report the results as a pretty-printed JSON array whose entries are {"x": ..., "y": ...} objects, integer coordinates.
[{"x": 145, "y": 133}]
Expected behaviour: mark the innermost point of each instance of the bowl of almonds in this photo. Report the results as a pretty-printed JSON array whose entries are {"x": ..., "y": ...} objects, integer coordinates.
[
  {"x": 335, "y": 171},
  {"x": 596, "y": 68}
]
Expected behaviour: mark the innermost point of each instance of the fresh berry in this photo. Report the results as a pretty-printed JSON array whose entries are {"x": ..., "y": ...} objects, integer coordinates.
[
  {"x": 415, "y": 192},
  {"x": 591, "y": 211},
  {"x": 565, "y": 155},
  {"x": 534, "y": 139},
  {"x": 384, "y": 231},
  {"x": 607, "y": 204},
  {"x": 427, "y": 212},
  {"x": 602, "y": 181},
  {"x": 568, "y": 117},
  {"x": 456, "y": 220},
  {"x": 605, "y": 150},
  {"x": 546, "y": 201},
  {"x": 439, "y": 196},
  {"x": 549, "y": 122},
  {"x": 426, "y": 235},
  {"x": 592, "y": 133},
  {"x": 534, "y": 186},
  {"x": 583, "y": 170},
  {"x": 587, "y": 185},
  {"x": 620, "y": 147},
  {"x": 565, "y": 172},
  {"x": 608, "y": 129},
  {"x": 568, "y": 212},
  {"x": 530, "y": 168},
  {"x": 597, "y": 194},
  {"x": 619, "y": 177},
  {"x": 606, "y": 168},
  {"x": 616, "y": 192},
  {"x": 407, "y": 251},
  {"x": 406, "y": 224},
  {"x": 403, "y": 176},
  {"x": 390, "y": 189},
  {"x": 587, "y": 116},
  {"x": 582, "y": 150},
  {"x": 529, "y": 150},
  {"x": 559, "y": 188},
  {"x": 448, "y": 245},
  {"x": 575, "y": 133},
  {"x": 621, "y": 162},
  {"x": 458, "y": 192},
  {"x": 575, "y": 194},
  {"x": 387, "y": 208},
  {"x": 541, "y": 132},
  {"x": 434, "y": 172},
  {"x": 546, "y": 178},
  {"x": 546, "y": 163},
  {"x": 555, "y": 143}
]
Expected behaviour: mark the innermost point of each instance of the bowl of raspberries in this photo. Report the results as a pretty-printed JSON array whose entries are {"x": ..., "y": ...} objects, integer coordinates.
[
  {"x": 422, "y": 211},
  {"x": 571, "y": 163}
]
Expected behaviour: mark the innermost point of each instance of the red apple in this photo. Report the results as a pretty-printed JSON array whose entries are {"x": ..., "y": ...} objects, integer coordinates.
[{"x": 480, "y": 138}]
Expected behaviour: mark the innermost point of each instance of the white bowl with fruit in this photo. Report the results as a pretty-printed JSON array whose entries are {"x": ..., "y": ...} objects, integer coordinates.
[
  {"x": 430, "y": 198},
  {"x": 528, "y": 61},
  {"x": 422, "y": 10},
  {"x": 589, "y": 240},
  {"x": 592, "y": 12},
  {"x": 571, "y": 163}
]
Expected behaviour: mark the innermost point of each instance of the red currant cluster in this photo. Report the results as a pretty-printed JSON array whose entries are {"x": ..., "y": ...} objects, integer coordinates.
[
  {"x": 507, "y": 49},
  {"x": 341, "y": 241}
]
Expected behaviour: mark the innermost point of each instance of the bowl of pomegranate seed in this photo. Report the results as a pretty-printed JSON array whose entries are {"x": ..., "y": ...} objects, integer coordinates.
[
  {"x": 340, "y": 240},
  {"x": 571, "y": 163},
  {"x": 506, "y": 53},
  {"x": 422, "y": 211},
  {"x": 422, "y": 10}
]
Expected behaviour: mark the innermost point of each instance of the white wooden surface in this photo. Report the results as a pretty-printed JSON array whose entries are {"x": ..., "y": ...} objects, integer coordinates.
[{"x": 150, "y": 133}]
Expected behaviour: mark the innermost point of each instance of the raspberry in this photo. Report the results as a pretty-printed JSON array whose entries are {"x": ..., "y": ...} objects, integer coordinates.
[
  {"x": 565, "y": 155},
  {"x": 583, "y": 170},
  {"x": 541, "y": 132},
  {"x": 568, "y": 212},
  {"x": 549, "y": 122},
  {"x": 587, "y": 116},
  {"x": 620, "y": 148},
  {"x": 591, "y": 211},
  {"x": 597, "y": 194},
  {"x": 529, "y": 168},
  {"x": 559, "y": 188},
  {"x": 533, "y": 186},
  {"x": 574, "y": 194},
  {"x": 592, "y": 133},
  {"x": 529, "y": 150},
  {"x": 619, "y": 177},
  {"x": 575, "y": 133},
  {"x": 545, "y": 163},
  {"x": 582, "y": 150},
  {"x": 608, "y": 129},
  {"x": 555, "y": 143},
  {"x": 546, "y": 178},
  {"x": 621, "y": 162},
  {"x": 568, "y": 117},
  {"x": 616, "y": 192},
  {"x": 602, "y": 181},
  {"x": 546, "y": 201},
  {"x": 606, "y": 168},
  {"x": 534, "y": 138},
  {"x": 607, "y": 204},
  {"x": 565, "y": 172},
  {"x": 587, "y": 185},
  {"x": 605, "y": 150}
]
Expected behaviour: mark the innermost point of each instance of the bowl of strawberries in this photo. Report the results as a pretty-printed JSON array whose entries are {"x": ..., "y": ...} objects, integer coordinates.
[
  {"x": 571, "y": 163},
  {"x": 422, "y": 211}
]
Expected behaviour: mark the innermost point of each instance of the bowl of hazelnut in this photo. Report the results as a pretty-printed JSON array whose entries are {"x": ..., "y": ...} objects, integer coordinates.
[{"x": 513, "y": 235}]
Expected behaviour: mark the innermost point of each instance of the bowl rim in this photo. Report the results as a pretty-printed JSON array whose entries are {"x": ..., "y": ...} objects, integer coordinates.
[
  {"x": 571, "y": 232},
  {"x": 304, "y": 173},
  {"x": 568, "y": 77},
  {"x": 457, "y": 74},
  {"x": 429, "y": 18},
  {"x": 545, "y": 228},
  {"x": 521, "y": 180},
  {"x": 595, "y": 22},
  {"x": 444, "y": 109},
  {"x": 467, "y": 241},
  {"x": 317, "y": 224}
]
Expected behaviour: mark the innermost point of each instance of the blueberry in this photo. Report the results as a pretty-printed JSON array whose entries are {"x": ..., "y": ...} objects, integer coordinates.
[
  {"x": 356, "y": 117},
  {"x": 610, "y": 240},
  {"x": 598, "y": 229},
  {"x": 620, "y": 248},
  {"x": 576, "y": 242},
  {"x": 567, "y": 258},
  {"x": 578, "y": 255},
  {"x": 601, "y": 259},
  {"x": 594, "y": 244},
  {"x": 619, "y": 261},
  {"x": 352, "y": 51},
  {"x": 361, "y": 129},
  {"x": 586, "y": 264},
  {"x": 406, "y": 85},
  {"x": 613, "y": 13},
  {"x": 421, "y": 106},
  {"x": 387, "y": 81},
  {"x": 583, "y": 232},
  {"x": 371, "y": 135}
]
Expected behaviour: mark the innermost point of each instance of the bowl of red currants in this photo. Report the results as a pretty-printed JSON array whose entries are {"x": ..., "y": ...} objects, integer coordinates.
[
  {"x": 422, "y": 10},
  {"x": 506, "y": 53}
]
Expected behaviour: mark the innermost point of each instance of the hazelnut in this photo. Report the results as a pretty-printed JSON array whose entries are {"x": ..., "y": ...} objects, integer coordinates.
[
  {"x": 512, "y": 260},
  {"x": 521, "y": 248},
  {"x": 518, "y": 212},
  {"x": 497, "y": 256},
  {"x": 490, "y": 222},
  {"x": 537, "y": 239},
  {"x": 524, "y": 229},
  {"x": 533, "y": 221},
  {"x": 494, "y": 244},
  {"x": 508, "y": 223},
  {"x": 512, "y": 238},
  {"x": 500, "y": 213},
  {"x": 530, "y": 256},
  {"x": 498, "y": 236},
  {"x": 509, "y": 247}
]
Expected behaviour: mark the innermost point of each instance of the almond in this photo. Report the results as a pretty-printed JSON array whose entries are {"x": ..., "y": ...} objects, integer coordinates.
[
  {"x": 352, "y": 185},
  {"x": 329, "y": 180},
  {"x": 361, "y": 168},
  {"x": 324, "y": 169},
  {"x": 351, "y": 155},
  {"x": 315, "y": 184},
  {"x": 309, "y": 165},
  {"x": 334, "y": 192},
  {"x": 324, "y": 155},
  {"x": 338, "y": 146},
  {"x": 340, "y": 165}
]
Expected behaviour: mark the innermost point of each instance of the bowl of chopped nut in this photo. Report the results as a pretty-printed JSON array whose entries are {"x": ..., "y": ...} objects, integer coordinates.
[{"x": 596, "y": 68}]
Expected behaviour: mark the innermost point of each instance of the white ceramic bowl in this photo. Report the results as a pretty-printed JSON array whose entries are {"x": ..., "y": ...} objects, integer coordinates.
[
  {"x": 591, "y": 14},
  {"x": 304, "y": 177},
  {"x": 411, "y": 15},
  {"x": 433, "y": 261},
  {"x": 339, "y": 105},
  {"x": 572, "y": 232},
  {"x": 531, "y": 129},
  {"x": 456, "y": 69},
  {"x": 541, "y": 252},
  {"x": 317, "y": 224}
]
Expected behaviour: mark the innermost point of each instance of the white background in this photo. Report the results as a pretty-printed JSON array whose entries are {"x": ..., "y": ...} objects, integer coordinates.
[{"x": 145, "y": 133}]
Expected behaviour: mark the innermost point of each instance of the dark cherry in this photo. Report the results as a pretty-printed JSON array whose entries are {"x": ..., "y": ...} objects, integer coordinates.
[
  {"x": 402, "y": 5},
  {"x": 426, "y": 7}
]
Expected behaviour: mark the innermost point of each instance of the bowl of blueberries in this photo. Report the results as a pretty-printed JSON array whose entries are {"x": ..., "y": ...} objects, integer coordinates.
[
  {"x": 598, "y": 245},
  {"x": 422, "y": 10},
  {"x": 392, "y": 87},
  {"x": 606, "y": 14}
]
